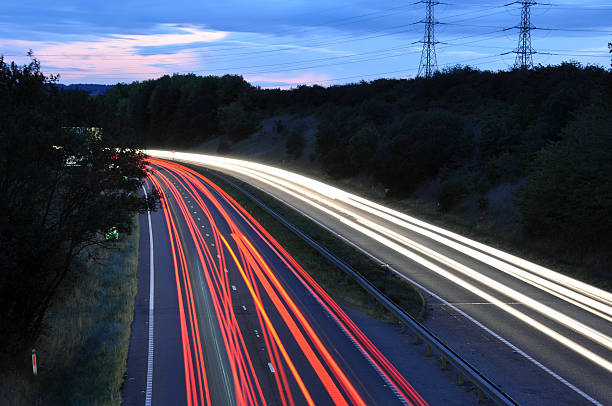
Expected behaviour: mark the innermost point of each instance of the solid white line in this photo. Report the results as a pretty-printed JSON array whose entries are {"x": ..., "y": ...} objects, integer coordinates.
[{"x": 149, "y": 390}]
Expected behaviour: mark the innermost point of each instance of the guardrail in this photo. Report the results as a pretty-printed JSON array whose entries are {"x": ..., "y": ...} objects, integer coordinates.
[{"x": 485, "y": 387}]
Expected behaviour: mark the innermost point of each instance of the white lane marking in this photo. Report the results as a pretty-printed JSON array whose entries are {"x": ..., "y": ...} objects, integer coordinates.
[
  {"x": 149, "y": 389},
  {"x": 233, "y": 287},
  {"x": 461, "y": 312},
  {"x": 244, "y": 308},
  {"x": 199, "y": 219},
  {"x": 271, "y": 367}
]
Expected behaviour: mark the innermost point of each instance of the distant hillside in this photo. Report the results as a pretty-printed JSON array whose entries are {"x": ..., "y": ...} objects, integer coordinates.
[{"x": 93, "y": 89}]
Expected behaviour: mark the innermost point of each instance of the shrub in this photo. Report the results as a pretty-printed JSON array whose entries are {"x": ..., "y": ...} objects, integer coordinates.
[{"x": 568, "y": 191}]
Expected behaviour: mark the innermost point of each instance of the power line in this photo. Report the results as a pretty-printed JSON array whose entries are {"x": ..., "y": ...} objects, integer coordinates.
[{"x": 429, "y": 63}]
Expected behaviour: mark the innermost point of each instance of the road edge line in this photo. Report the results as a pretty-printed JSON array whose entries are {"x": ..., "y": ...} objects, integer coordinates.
[{"x": 149, "y": 388}]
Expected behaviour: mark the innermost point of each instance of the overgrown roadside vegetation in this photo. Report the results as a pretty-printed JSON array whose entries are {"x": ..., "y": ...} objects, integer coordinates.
[
  {"x": 336, "y": 282},
  {"x": 83, "y": 349}
]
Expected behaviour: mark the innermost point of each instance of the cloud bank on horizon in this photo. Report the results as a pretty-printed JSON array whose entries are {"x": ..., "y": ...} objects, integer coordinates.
[{"x": 287, "y": 43}]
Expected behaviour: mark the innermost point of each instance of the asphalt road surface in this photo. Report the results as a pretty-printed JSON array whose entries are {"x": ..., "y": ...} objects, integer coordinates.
[
  {"x": 543, "y": 337},
  {"x": 225, "y": 316}
]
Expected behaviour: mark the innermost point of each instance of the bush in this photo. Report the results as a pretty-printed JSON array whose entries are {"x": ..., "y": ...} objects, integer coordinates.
[
  {"x": 568, "y": 191},
  {"x": 361, "y": 147},
  {"x": 237, "y": 123},
  {"x": 426, "y": 143}
]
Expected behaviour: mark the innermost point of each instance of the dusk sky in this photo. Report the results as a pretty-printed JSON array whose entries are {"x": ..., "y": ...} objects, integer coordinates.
[{"x": 287, "y": 43}]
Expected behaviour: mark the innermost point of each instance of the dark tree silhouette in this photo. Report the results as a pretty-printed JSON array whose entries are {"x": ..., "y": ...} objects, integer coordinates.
[{"x": 63, "y": 185}]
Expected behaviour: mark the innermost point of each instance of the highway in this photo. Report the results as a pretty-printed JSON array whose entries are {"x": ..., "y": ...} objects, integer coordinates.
[
  {"x": 228, "y": 317},
  {"x": 541, "y": 336}
]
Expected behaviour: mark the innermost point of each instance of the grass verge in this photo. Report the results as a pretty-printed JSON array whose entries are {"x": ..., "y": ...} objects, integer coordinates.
[
  {"x": 83, "y": 350},
  {"x": 342, "y": 287}
]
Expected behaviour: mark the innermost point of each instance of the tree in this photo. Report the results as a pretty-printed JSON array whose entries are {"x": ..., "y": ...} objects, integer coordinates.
[
  {"x": 63, "y": 185},
  {"x": 425, "y": 143},
  {"x": 568, "y": 191},
  {"x": 237, "y": 123},
  {"x": 362, "y": 147}
]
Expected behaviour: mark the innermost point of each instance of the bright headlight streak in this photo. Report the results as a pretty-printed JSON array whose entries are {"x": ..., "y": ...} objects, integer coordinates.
[
  {"x": 550, "y": 287},
  {"x": 429, "y": 265},
  {"x": 556, "y": 316},
  {"x": 348, "y": 198},
  {"x": 519, "y": 297},
  {"x": 208, "y": 160},
  {"x": 376, "y": 209},
  {"x": 540, "y": 270},
  {"x": 584, "y": 302},
  {"x": 336, "y": 194},
  {"x": 545, "y": 310},
  {"x": 521, "y": 316},
  {"x": 561, "y": 292}
]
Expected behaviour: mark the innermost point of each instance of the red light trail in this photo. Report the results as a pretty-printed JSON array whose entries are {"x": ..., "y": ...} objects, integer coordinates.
[{"x": 305, "y": 369}]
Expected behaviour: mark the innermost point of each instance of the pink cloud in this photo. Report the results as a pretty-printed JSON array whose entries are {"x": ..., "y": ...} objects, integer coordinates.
[{"x": 115, "y": 58}]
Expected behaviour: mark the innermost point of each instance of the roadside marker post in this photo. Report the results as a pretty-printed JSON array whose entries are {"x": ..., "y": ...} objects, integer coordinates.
[{"x": 34, "y": 363}]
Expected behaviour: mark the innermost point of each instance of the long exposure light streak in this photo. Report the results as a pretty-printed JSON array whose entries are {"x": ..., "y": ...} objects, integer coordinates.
[
  {"x": 295, "y": 350},
  {"x": 351, "y": 210}
]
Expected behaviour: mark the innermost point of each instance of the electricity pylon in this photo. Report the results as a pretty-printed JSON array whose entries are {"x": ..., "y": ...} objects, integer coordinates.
[
  {"x": 429, "y": 63},
  {"x": 524, "y": 51}
]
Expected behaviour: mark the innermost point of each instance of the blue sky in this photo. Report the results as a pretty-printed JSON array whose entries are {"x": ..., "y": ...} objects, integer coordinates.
[{"x": 290, "y": 42}]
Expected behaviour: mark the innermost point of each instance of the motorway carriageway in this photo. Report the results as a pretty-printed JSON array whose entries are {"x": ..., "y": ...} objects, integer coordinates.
[
  {"x": 543, "y": 337},
  {"x": 253, "y": 328}
]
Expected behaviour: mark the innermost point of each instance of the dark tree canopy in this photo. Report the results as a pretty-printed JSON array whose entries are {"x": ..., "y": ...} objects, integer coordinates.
[{"x": 63, "y": 183}]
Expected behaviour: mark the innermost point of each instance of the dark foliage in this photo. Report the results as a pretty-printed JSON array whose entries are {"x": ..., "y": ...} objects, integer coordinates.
[
  {"x": 569, "y": 189},
  {"x": 63, "y": 184},
  {"x": 182, "y": 110}
]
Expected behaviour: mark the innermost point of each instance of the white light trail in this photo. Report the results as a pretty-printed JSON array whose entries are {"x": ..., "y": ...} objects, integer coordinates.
[{"x": 326, "y": 198}]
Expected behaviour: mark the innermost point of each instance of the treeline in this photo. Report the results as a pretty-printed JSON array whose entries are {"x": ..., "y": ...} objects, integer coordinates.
[
  {"x": 64, "y": 183},
  {"x": 548, "y": 129},
  {"x": 182, "y": 110}
]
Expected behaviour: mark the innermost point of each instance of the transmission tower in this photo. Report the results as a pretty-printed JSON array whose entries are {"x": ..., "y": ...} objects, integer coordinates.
[
  {"x": 524, "y": 51},
  {"x": 429, "y": 64}
]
